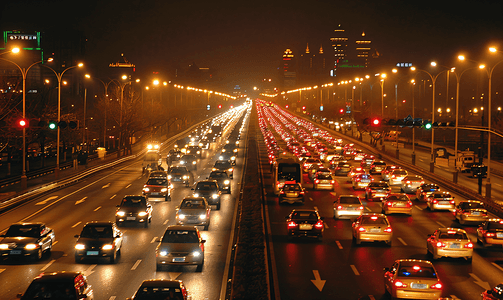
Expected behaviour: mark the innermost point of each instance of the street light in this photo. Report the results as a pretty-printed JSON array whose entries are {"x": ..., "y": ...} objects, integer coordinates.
[
  {"x": 105, "y": 85},
  {"x": 59, "y": 76},
  {"x": 383, "y": 76}
]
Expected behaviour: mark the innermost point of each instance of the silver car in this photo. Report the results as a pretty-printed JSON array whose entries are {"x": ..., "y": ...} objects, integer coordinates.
[
  {"x": 396, "y": 176},
  {"x": 193, "y": 211},
  {"x": 471, "y": 211},
  {"x": 180, "y": 245},
  {"x": 410, "y": 183}
]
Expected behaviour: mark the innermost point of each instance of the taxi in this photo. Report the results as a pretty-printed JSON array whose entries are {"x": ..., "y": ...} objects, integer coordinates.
[
  {"x": 450, "y": 242},
  {"x": 372, "y": 228},
  {"x": 470, "y": 211},
  {"x": 490, "y": 233}
]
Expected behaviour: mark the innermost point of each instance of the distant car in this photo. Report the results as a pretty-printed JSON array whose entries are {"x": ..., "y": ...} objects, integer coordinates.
[
  {"x": 490, "y": 233},
  {"x": 440, "y": 201},
  {"x": 208, "y": 189},
  {"x": 323, "y": 180},
  {"x": 223, "y": 180},
  {"x": 410, "y": 183},
  {"x": 179, "y": 174},
  {"x": 377, "y": 167},
  {"x": 59, "y": 285},
  {"x": 314, "y": 168},
  {"x": 372, "y": 228},
  {"x": 134, "y": 209},
  {"x": 496, "y": 293},
  {"x": 367, "y": 162},
  {"x": 180, "y": 245},
  {"x": 99, "y": 239},
  {"x": 194, "y": 150},
  {"x": 396, "y": 176},
  {"x": 308, "y": 162},
  {"x": 387, "y": 170},
  {"x": 412, "y": 278},
  {"x": 27, "y": 240},
  {"x": 224, "y": 165},
  {"x": 347, "y": 206},
  {"x": 359, "y": 155},
  {"x": 377, "y": 190},
  {"x": 161, "y": 289},
  {"x": 291, "y": 192},
  {"x": 450, "y": 242},
  {"x": 471, "y": 211},
  {"x": 158, "y": 187},
  {"x": 341, "y": 168},
  {"x": 173, "y": 155},
  {"x": 193, "y": 211},
  {"x": 397, "y": 204},
  {"x": 361, "y": 181},
  {"x": 355, "y": 171},
  {"x": 424, "y": 190},
  {"x": 189, "y": 160},
  {"x": 305, "y": 223}
]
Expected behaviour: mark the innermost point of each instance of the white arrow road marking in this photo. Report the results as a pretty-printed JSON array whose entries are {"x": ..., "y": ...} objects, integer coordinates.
[
  {"x": 46, "y": 200},
  {"x": 354, "y": 270},
  {"x": 97, "y": 208},
  {"x": 1, "y": 270},
  {"x": 112, "y": 298},
  {"x": 317, "y": 280},
  {"x": 89, "y": 270},
  {"x": 497, "y": 266},
  {"x": 76, "y": 224},
  {"x": 418, "y": 207},
  {"x": 136, "y": 264},
  {"x": 153, "y": 239},
  {"x": 338, "y": 244},
  {"x": 128, "y": 185},
  {"x": 47, "y": 265},
  {"x": 165, "y": 222},
  {"x": 402, "y": 241},
  {"x": 483, "y": 284},
  {"x": 174, "y": 275},
  {"x": 80, "y": 201},
  {"x": 113, "y": 196},
  {"x": 106, "y": 185}
]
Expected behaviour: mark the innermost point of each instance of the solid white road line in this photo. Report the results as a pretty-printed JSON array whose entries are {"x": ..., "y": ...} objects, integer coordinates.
[
  {"x": 47, "y": 265},
  {"x": 165, "y": 222},
  {"x": 497, "y": 266},
  {"x": 76, "y": 224},
  {"x": 97, "y": 208},
  {"x": 441, "y": 225},
  {"x": 418, "y": 207},
  {"x": 128, "y": 186},
  {"x": 113, "y": 196},
  {"x": 355, "y": 270},
  {"x": 135, "y": 265},
  {"x": 338, "y": 244},
  {"x": 153, "y": 239},
  {"x": 402, "y": 241},
  {"x": 333, "y": 194}
]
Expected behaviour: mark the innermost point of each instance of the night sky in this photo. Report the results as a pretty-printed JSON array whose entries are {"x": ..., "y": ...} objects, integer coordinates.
[{"x": 244, "y": 40}]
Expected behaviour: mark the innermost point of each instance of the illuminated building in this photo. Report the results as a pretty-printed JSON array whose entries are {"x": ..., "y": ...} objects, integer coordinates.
[
  {"x": 363, "y": 47},
  {"x": 340, "y": 45},
  {"x": 312, "y": 67},
  {"x": 288, "y": 69}
]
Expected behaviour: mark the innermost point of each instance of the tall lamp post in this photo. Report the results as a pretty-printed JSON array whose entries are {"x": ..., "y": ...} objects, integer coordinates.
[
  {"x": 381, "y": 81},
  {"x": 59, "y": 76},
  {"x": 105, "y": 85},
  {"x": 121, "y": 86}
]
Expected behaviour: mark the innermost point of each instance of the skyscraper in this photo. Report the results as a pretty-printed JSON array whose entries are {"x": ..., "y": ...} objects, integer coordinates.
[
  {"x": 340, "y": 45},
  {"x": 362, "y": 51},
  {"x": 288, "y": 69}
]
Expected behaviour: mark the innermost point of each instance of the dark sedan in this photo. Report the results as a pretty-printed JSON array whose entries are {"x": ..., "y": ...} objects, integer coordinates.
[
  {"x": 98, "y": 239},
  {"x": 134, "y": 209},
  {"x": 305, "y": 222},
  {"x": 27, "y": 240},
  {"x": 223, "y": 180},
  {"x": 179, "y": 174},
  {"x": 189, "y": 161}
]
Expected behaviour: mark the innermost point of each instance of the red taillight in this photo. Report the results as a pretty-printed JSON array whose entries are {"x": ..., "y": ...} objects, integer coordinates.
[
  {"x": 319, "y": 225},
  {"x": 440, "y": 244},
  {"x": 358, "y": 179},
  {"x": 452, "y": 202},
  {"x": 302, "y": 192},
  {"x": 400, "y": 284},
  {"x": 292, "y": 224},
  {"x": 469, "y": 245},
  {"x": 393, "y": 176},
  {"x": 332, "y": 182},
  {"x": 389, "y": 203},
  {"x": 490, "y": 234},
  {"x": 437, "y": 286},
  {"x": 339, "y": 207},
  {"x": 361, "y": 229},
  {"x": 407, "y": 182},
  {"x": 387, "y": 229},
  {"x": 435, "y": 201},
  {"x": 361, "y": 207},
  {"x": 282, "y": 192},
  {"x": 409, "y": 204},
  {"x": 317, "y": 181}
]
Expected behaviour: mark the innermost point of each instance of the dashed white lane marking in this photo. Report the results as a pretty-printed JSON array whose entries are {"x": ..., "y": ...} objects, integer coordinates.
[
  {"x": 112, "y": 298},
  {"x": 81, "y": 200},
  {"x": 497, "y": 266},
  {"x": 326, "y": 226},
  {"x": 316, "y": 208},
  {"x": 368, "y": 208},
  {"x": 54, "y": 243},
  {"x": 311, "y": 199},
  {"x": 97, "y": 208},
  {"x": 128, "y": 186},
  {"x": 76, "y": 224},
  {"x": 333, "y": 194},
  {"x": 355, "y": 270},
  {"x": 338, "y": 244},
  {"x": 418, "y": 207},
  {"x": 153, "y": 239},
  {"x": 371, "y": 297},
  {"x": 402, "y": 241},
  {"x": 46, "y": 200},
  {"x": 113, "y": 196},
  {"x": 47, "y": 265},
  {"x": 1, "y": 270},
  {"x": 497, "y": 184},
  {"x": 89, "y": 270},
  {"x": 441, "y": 225},
  {"x": 136, "y": 265},
  {"x": 165, "y": 222},
  {"x": 106, "y": 185}
]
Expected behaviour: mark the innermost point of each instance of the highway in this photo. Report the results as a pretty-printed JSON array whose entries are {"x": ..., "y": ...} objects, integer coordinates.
[{"x": 67, "y": 210}]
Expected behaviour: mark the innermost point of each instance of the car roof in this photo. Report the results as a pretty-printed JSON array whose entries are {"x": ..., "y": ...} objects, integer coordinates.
[
  {"x": 29, "y": 224},
  {"x": 193, "y": 198},
  {"x": 99, "y": 223},
  {"x": 420, "y": 262},
  {"x": 161, "y": 283},
  {"x": 57, "y": 276},
  {"x": 181, "y": 227}
]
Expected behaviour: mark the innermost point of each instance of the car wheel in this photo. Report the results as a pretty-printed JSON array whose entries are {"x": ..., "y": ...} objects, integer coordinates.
[
  {"x": 358, "y": 241},
  {"x": 119, "y": 251},
  {"x": 218, "y": 206},
  {"x": 200, "y": 266},
  {"x": 469, "y": 259},
  {"x": 320, "y": 238},
  {"x": 434, "y": 256},
  {"x": 113, "y": 257},
  {"x": 158, "y": 267},
  {"x": 228, "y": 191},
  {"x": 206, "y": 226},
  {"x": 461, "y": 221},
  {"x": 386, "y": 293},
  {"x": 145, "y": 224},
  {"x": 388, "y": 243},
  {"x": 39, "y": 254},
  {"x": 78, "y": 259}
]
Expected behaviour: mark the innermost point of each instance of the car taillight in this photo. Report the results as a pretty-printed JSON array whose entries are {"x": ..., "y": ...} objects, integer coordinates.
[
  {"x": 292, "y": 224},
  {"x": 317, "y": 181},
  {"x": 302, "y": 192},
  {"x": 407, "y": 182},
  {"x": 452, "y": 202},
  {"x": 393, "y": 176},
  {"x": 357, "y": 179},
  {"x": 319, "y": 225},
  {"x": 490, "y": 234},
  {"x": 361, "y": 207},
  {"x": 389, "y": 203},
  {"x": 440, "y": 244},
  {"x": 435, "y": 201},
  {"x": 282, "y": 192},
  {"x": 387, "y": 229},
  {"x": 400, "y": 284},
  {"x": 409, "y": 204},
  {"x": 469, "y": 245},
  {"x": 361, "y": 229},
  {"x": 338, "y": 168},
  {"x": 340, "y": 207},
  {"x": 437, "y": 286}
]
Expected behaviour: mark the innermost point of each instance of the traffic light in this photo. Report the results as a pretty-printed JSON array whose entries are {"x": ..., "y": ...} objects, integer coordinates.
[
  {"x": 376, "y": 122},
  {"x": 53, "y": 125},
  {"x": 427, "y": 125},
  {"x": 418, "y": 122},
  {"x": 208, "y": 107},
  {"x": 341, "y": 111},
  {"x": 62, "y": 124},
  {"x": 22, "y": 123},
  {"x": 73, "y": 124}
]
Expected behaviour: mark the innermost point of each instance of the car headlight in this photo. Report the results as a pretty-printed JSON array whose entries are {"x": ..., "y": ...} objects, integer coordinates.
[
  {"x": 182, "y": 162},
  {"x": 181, "y": 216},
  {"x": 231, "y": 170},
  {"x": 200, "y": 145},
  {"x": 149, "y": 147},
  {"x": 214, "y": 169},
  {"x": 196, "y": 195},
  {"x": 220, "y": 157},
  {"x": 142, "y": 214},
  {"x": 233, "y": 158},
  {"x": 223, "y": 150},
  {"x": 194, "y": 162},
  {"x": 163, "y": 252},
  {"x": 235, "y": 150},
  {"x": 185, "y": 177},
  {"x": 146, "y": 189},
  {"x": 4, "y": 246},
  {"x": 196, "y": 253},
  {"x": 202, "y": 217},
  {"x": 198, "y": 152},
  {"x": 214, "y": 196},
  {"x": 169, "y": 177},
  {"x": 121, "y": 213},
  {"x": 226, "y": 182},
  {"x": 80, "y": 247},
  {"x": 31, "y": 246},
  {"x": 164, "y": 190},
  {"x": 107, "y": 247}
]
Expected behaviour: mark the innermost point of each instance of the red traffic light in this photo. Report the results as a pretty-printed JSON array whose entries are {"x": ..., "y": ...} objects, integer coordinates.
[
  {"x": 376, "y": 122},
  {"x": 341, "y": 111},
  {"x": 23, "y": 123}
]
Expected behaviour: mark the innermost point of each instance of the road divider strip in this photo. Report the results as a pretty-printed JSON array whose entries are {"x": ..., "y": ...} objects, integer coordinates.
[
  {"x": 402, "y": 241},
  {"x": 338, "y": 244},
  {"x": 136, "y": 264},
  {"x": 355, "y": 270}
]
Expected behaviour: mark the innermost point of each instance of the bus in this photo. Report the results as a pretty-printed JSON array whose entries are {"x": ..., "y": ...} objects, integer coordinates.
[{"x": 286, "y": 169}]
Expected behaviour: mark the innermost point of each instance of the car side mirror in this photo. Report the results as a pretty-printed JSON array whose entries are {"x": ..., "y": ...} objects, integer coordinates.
[
  {"x": 83, "y": 296},
  {"x": 117, "y": 206},
  {"x": 76, "y": 236}
]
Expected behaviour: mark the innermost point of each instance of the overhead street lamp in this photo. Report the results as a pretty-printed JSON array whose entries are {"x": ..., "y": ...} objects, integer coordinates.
[
  {"x": 381, "y": 81},
  {"x": 105, "y": 85}
]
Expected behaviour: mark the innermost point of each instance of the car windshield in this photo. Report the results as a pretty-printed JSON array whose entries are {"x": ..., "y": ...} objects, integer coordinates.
[
  {"x": 218, "y": 175},
  {"x": 416, "y": 271},
  {"x": 180, "y": 236},
  {"x": 373, "y": 220},
  {"x": 431, "y": 187},
  {"x": 349, "y": 200},
  {"x": 158, "y": 293},
  {"x": 157, "y": 181},
  {"x": 377, "y": 163},
  {"x": 134, "y": 202},
  {"x": 205, "y": 186},
  {"x": 398, "y": 198},
  {"x": 97, "y": 231},
  {"x": 222, "y": 165},
  {"x": 178, "y": 170},
  {"x": 192, "y": 203},
  {"x": 23, "y": 230},
  {"x": 400, "y": 172},
  {"x": 471, "y": 205},
  {"x": 323, "y": 176},
  {"x": 378, "y": 185},
  {"x": 61, "y": 289},
  {"x": 188, "y": 157},
  {"x": 455, "y": 235},
  {"x": 414, "y": 178},
  {"x": 442, "y": 195},
  {"x": 304, "y": 215}
]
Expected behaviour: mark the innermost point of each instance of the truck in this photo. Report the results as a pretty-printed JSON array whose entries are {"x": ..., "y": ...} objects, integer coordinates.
[
  {"x": 286, "y": 168},
  {"x": 465, "y": 161},
  {"x": 151, "y": 161}
]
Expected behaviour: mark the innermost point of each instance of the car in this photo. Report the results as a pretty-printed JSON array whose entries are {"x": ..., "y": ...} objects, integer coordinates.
[
  {"x": 179, "y": 174},
  {"x": 471, "y": 211},
  {"x": 396, "y": 176},
  {"x": 412, "y": 279},
  {"x": 193, "y": 211},
  {"x": 208, "y": 189},
  {"x": 341, "y": 168},
  {"x": 158, "y": 187},
  {"x": 377, "y": 190},
  {"x": 324, "y": 180},
  {"x": 361, "y": 181},
  {"x": 397, "y": 203},
  {"x": 158, "y": 174},
  {"x": 134, "y": 209},
  {"x": 224, "y": 165},
  {"x": 314, "y": 168},
  {"x": 223, "y": 180},
  {"x": 386, "y": 172},
  {"x": 161, "y": 289},
  {"x": 99, "y": 239},
  {"x": 347, "y": 206},
  {"x": 440, "y": 201},
  {"x": 410, "y": 183},
  {"x": 305, "y": 223},
  {"x": 59, "y": 285},
  {"x": 377, "y": 167},
  {"x": 367, "y": 161},
  {"x": 194, "y": 150},
  {"x": 27, "y": 240},
  {"x": 230, "y": 156},
  {"x": 358, "y": 155},
  {"x": 496, "y": 293},
  {"x": 490, "y": 233},
  {"x": 372, "y": 228},
  {"x": 450, "y": 242},
  {"x": 424, "y": 190},
  {"x": 348, "y": 153},
  {"x": 308, "y": 162},
  {"x": 180, "y": 245},
  {"x": 173, "y": 155},
  {"x": 189, "y": 160},
  {"x": 291, "y": 192}
]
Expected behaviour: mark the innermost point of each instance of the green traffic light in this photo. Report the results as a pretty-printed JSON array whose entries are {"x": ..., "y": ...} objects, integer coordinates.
[
  {"x": 52, "y": 125},
  {"x": 427, "y": 126}
]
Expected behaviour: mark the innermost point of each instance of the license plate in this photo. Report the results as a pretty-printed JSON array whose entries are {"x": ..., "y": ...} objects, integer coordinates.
[
  {"x": 179, "y": 259},
  {"x": 399, "y": 204},
  {"x": 15, "y": 251},
  {"x": 444, "y": 202},
  {"x": 350, "y": 208},
  {"x": 418, "y": 285},
  {"x": 499, "y": 235},
  {"x": 373, "y": 230},
  {"x": 131, "y": 218},
  {"x": 154, "y": 194},
  {"x": 455, "y": 246},
  {"x": 93, "y": 252},
  {"x": 365, "y": 180},
  {"x": 476, "y": 213},
  {"x": 291, "y": 194},
  {"x": 305, "y": 226}
]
